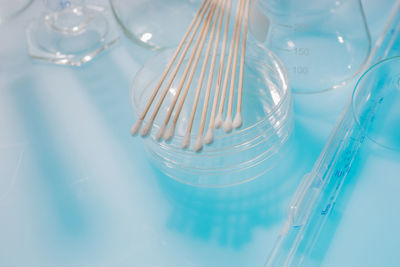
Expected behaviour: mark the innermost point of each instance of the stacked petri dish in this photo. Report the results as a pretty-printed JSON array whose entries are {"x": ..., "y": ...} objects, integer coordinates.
[{"x": 232, "y": 158}]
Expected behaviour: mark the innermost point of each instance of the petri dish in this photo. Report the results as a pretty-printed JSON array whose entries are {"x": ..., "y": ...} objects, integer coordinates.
[
  {"x": 155, "y": 24},
  {"x": 233, "y": 158}
]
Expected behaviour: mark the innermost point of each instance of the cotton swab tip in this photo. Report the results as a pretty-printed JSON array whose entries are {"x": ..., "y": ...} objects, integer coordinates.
[
  {"x": 209, "y": 137},
  {"x": 169, "y": 133},
  {"x": 198, "y": 145},
  {"x": 146, "y": 129},
  {"x": 219, "y": 121},
  {"x": 228, "y": 124},
  {"x": 160, "y": 133},
  {"x": 136, "y": 127},
  {"x": 186, "y": 141},
  {"x": 237, "y": 122}
]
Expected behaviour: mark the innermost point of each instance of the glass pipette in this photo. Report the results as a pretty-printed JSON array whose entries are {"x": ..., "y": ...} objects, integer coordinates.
[{"x": 316, "y": 195}]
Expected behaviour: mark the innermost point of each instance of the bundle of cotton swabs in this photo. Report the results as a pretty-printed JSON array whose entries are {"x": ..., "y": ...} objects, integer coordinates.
[{"x": 210, "y": 25}]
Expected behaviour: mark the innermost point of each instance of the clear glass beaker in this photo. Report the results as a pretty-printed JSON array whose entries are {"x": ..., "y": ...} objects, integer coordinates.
[
  {"x": 323, "y": 43},
  {"x": 71, "y": 32},
  {"x": 155, "y": 24}
]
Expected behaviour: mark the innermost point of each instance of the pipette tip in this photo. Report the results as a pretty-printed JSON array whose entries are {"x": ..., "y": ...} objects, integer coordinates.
[
  {"x": 136, "y": 127},
  {"x": 237, "y": 122}
]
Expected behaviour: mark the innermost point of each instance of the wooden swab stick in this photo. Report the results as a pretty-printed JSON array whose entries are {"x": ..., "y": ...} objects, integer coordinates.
[
  {"x": 219, "y": 120},
  {"x": 237, "y": 122},
  {"x": 148, "y": 126},
  {"x": 200, "y": 13},
  {"x": 199, "y": 141},
  {"x": 228, "y": 119},
  {"x": 208, "y": 19},
  {"x": 189, "y": 66},
  {"x": 170, "y": 132},
  {"x": 210, "y": 133},
  {"x": 186, "y": 139}
]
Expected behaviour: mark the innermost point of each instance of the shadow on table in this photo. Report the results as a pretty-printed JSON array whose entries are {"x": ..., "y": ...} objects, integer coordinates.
[{"x": 230, "y": 215}]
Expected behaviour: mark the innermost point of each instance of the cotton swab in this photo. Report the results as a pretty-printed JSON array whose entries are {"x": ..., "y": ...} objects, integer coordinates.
[
  {"x": 147, "y": 128},
  {"x": 199, "y": 141},
  {"x": 170, "y": 131},
  {"x": 219, "y": 119},
  {"x": 228, "y": 120},
  {"x": 237, "y": 122},
  {"x": 211, "y": 23},
  {"x": 136, "y": 127},
  {"x": 189, "y": 66},
  {"x": 186, "y": 139},
  {"x": 210, "y": 132}
]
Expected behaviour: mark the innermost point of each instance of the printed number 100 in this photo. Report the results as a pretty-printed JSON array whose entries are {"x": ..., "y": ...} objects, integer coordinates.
[{"x": 300, "y": 70}]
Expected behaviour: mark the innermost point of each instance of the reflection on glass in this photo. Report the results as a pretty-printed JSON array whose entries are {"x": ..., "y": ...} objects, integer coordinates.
[{"x": 155, "y": 24}]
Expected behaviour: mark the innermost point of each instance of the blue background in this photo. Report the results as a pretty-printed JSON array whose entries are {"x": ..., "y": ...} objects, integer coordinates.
[{"x": 77, "y": 190}]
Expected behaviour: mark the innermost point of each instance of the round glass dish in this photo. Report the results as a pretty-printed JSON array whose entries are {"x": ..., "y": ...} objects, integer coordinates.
[
  {"x": 232, "y": 158},
  {"x": 155, "y": 24}
]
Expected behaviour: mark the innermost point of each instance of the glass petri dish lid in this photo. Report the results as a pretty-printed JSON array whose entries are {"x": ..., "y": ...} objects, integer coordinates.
[{"x": 232, "y": 158}]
